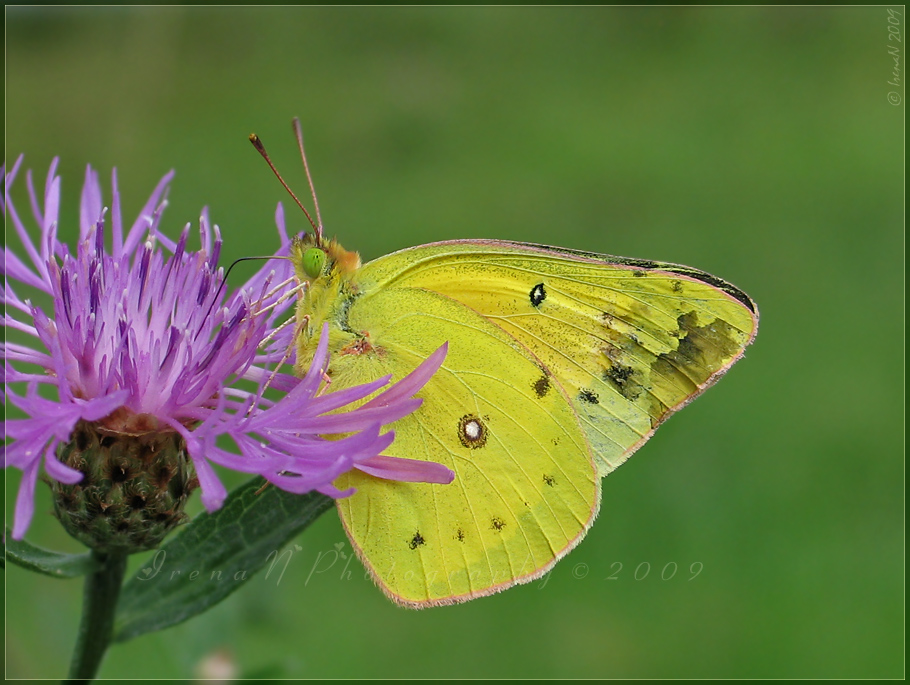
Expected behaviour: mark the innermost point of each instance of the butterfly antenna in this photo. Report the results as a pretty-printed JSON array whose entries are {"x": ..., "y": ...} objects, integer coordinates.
[
  {"x": 257, "y": 143},
  {"x": 298, "y": 132},
  {"x": 224, "y": 282}
]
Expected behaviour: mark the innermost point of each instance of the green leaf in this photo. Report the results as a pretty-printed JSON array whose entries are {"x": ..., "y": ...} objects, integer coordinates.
[
  {"x": 45, "y": 561},
  {"x": 213, "y": 556}
]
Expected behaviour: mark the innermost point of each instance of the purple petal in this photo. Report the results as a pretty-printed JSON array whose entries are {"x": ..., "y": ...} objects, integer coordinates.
[
  {"x": 142, "y": 223},
  {"x": 414, "y": 381},
  {"x": 116, "y": 218},
  {"x": 58, "y": 470},
  {"x": 406, "y": 470},
  {"x": 25, "y": 501},
  {"x": 213, "y": 490},
  {"x": 335, "y": 493},
  {"x": 90, "y": 207}
]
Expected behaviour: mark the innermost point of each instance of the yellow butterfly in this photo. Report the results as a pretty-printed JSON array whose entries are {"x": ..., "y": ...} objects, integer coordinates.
[{"x": 560, "y": 365}]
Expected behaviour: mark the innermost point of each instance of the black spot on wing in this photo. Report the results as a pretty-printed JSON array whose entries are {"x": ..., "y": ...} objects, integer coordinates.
[
  {"x": 589, "y": 396},
  {"x": 538, "y": 294},
  {"x": 541, "y": 386},
  {"x": 416, "y": 541},
  {"x": 497, "y": 523},
  {"x": 622, "y": 377},
  {"x": 706, "y": 348},
  {"x": 472, "y": 431},
  {"x": 459, "y": 535},
  {"x": 549, "y": 480},
  {"x": 638, "y": 273},
  {"x": 701, "y": 352}
]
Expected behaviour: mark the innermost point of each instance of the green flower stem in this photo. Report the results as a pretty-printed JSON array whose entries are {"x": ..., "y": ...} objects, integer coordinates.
[{"x": 98, "y": 606}]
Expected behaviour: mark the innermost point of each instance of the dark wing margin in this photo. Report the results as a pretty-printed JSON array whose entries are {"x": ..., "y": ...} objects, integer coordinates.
[{"x": 650, "y": 265}]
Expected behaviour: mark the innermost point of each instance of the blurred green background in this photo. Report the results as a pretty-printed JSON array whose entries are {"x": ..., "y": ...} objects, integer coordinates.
[{"x": 758, "y": 144}]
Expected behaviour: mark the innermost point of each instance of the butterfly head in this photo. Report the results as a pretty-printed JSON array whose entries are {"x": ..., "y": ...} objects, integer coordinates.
[{"x": 326, "y": 259}]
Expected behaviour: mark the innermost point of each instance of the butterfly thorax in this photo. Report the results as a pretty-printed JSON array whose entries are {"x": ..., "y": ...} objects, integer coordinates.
[{"x": 328, "y": 295}]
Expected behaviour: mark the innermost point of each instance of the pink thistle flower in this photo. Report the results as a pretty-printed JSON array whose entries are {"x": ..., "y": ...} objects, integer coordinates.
[{"x": 140, "y": 350}]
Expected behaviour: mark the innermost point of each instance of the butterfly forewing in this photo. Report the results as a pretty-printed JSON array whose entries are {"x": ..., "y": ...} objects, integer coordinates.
[{"x": 630, "y": 341}]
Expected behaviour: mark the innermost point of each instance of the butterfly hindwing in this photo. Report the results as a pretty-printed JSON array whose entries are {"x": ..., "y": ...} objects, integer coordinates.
[
  {"x": 630, "y": 341},
  {"x": 526, "y": 487}
]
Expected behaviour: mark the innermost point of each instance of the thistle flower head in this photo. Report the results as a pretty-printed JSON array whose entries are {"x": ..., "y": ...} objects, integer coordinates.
[{"x": 127, "y": 377}]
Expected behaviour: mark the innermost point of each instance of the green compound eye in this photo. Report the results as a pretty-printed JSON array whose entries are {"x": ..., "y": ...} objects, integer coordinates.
[{"x": 313, "y": 262}]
